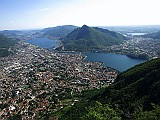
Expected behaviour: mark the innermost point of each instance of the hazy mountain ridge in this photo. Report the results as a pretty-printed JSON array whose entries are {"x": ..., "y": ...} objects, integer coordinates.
[
  {"x": 59, "y": 31},
  {"x": 133, "y": 29}
]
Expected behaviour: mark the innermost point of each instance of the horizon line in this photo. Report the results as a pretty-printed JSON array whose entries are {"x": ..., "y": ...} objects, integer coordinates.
[{"x": 25, "y": 29}]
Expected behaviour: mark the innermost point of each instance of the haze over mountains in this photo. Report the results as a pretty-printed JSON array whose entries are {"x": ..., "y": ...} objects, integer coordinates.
[
  {"x": 59, "y": 31},
  {"x": 62, "y": 31}
]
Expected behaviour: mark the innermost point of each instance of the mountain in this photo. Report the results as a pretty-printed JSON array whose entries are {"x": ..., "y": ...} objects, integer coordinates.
[
  {"x": 91, "y": 38},
  {"x": 5, "y": 44},
  {"x": 155, "y": 35},
  {"x": 135, "y": 95},
  {"x": 59, "y": 31},
  {"x": 11, "y": 33}
]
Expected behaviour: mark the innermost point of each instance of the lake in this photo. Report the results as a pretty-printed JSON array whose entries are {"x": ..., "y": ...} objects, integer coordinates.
[
  {"x": 116, "y": 61},
  {"x": 43, "y": 42},
  {"x": 136, "y": 33}
]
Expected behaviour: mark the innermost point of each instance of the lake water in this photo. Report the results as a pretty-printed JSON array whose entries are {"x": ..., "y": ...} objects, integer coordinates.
[
  {"x": 116, "y": 61},
  {"x": 43, "y": 42},
  {"x": 136, "y": 33}
]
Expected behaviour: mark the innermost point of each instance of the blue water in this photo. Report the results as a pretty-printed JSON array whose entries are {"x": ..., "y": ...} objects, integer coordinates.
[
  {"x": 116, "y": 61},
  {"x": 43, "y": 42},
  {"x": 136, "y": 33}
]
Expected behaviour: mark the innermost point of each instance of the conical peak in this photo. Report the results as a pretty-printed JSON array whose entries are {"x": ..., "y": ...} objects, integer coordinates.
[{"x": 84, "y": 26}]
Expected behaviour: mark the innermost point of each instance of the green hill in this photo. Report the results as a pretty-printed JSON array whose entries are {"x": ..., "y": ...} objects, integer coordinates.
[
  {"x": 59, "y": 31},
  {"x": 91, "y": 39},
  {"x": 135, "y": 95},
  {"x": 5, "y": 43}
]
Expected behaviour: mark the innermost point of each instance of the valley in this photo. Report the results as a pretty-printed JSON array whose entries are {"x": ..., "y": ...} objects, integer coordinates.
[
  {"x": 39, "y": 82},
  {"x": 79, "y": 60}
]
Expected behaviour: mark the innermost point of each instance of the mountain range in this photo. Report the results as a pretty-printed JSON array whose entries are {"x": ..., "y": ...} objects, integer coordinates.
[
  {"x": 59, "y": 31},
  {"x": 135, "y": 94}
]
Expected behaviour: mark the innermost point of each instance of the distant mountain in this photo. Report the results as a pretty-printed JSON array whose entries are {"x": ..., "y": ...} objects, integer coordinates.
[
  {"x": 5, "y": 43},
  {"x": 133, "y": 29},
  {"x": 11, "y": 33},
  {"x": 135, "y": 95},
  {"x": 155, "y": 35},
  {"x": 91, "y": 38},
  {"x": 59, "y": 31}
]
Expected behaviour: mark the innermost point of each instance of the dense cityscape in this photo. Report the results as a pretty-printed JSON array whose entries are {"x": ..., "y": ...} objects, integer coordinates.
[{"x": 35, "y": 80}]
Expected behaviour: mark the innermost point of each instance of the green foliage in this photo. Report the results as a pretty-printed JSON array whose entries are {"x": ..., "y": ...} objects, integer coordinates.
[
  {"x": 137, "y": 72},
  {"x": 135, "y": 95},
  {"x": 148, "y": 115},
  {"x": 100, "y": 112},
  {"x": 91, "y": 39},
  {"x": 15, "y": 117},
  {"x": 42, "y": 69}
]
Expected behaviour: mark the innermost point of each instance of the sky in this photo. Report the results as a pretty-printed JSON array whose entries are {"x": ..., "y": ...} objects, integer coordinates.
[{"x": 33, "y": 14}]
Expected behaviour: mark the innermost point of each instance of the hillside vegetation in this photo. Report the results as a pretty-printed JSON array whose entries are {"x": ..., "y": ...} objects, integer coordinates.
[
  {"x": 135, "y": 95},
  {"x": 91, "y": 39}
]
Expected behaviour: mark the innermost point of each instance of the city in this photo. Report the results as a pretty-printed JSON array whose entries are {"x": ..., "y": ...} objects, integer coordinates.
[{"x": 35, "y": 80}]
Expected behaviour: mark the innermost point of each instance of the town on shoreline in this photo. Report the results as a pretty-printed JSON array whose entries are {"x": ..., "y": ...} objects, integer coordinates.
[{"x": 37, "y": 81}]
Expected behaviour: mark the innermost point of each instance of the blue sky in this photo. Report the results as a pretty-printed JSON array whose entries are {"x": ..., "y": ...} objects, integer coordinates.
[{"x": 28, "y": 14}]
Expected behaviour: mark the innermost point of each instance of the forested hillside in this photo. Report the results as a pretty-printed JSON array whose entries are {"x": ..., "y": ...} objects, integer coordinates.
[
  {"x": 91, "y": 39},
  {"x": 135, "y": 95}
]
